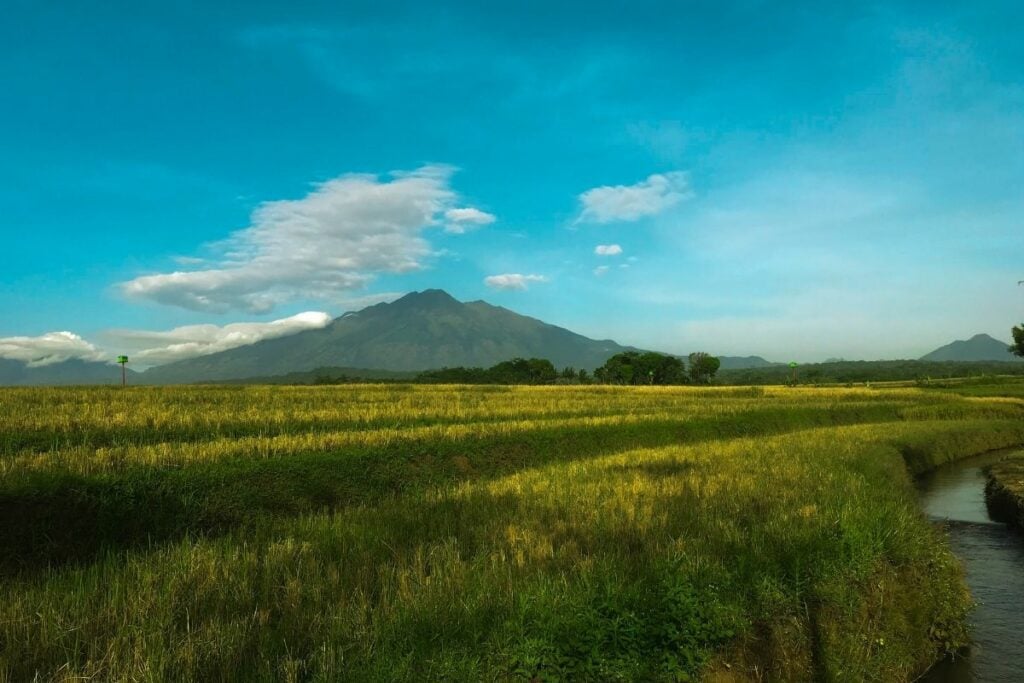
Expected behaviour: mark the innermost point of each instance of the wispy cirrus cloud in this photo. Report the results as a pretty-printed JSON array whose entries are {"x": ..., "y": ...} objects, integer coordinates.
[
  {"x": 49, "y": 348},
  {"x": 512, "y": 281},
  {"x": 626, "y": 203},
  {"x": 333, "y": 240}
]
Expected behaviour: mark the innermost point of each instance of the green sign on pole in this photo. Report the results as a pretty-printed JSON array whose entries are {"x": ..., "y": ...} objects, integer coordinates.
[{"x": 123, "y": 360}]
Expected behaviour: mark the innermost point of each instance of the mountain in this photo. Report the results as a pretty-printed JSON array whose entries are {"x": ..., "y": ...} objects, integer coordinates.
[
  {"x": 977, "y": 348},
  {"x": 330, "y": 376},
  {"x": 17, "y": 373},
  {"x": 744, "y": 362},
  {"x": 421, "y": 331}
]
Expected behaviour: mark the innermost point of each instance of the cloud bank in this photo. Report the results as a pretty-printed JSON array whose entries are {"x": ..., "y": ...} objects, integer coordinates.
[
  {"x": 657, "y": 193},
  {"x": 146, "y": 348},
  {"x": 156, "y": 348},
  {"x": 333, "y": 240},
  {"x": 50, "y": 348},
  {"x": 512, "y": 281}
]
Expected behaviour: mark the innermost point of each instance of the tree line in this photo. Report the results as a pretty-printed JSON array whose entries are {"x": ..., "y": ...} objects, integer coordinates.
[
  {"x": 626, "y": 368},
  {"x": 847, "y": 371}
]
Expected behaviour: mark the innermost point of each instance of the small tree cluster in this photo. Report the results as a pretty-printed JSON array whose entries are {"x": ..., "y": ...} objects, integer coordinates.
[
  {"x": 515, "y": 371},
  {"x": 703, "y": 367},
  {"x": 524, "y": 371},
  {"x": 1018, "y": 340},
  {"x": 629, "y": 367},
  {"x": 571, "y": 375},
  {"x": 635, "y": 367}
]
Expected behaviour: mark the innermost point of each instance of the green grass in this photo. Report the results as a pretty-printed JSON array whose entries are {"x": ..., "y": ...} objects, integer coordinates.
[{"x": 479, "y": 533}]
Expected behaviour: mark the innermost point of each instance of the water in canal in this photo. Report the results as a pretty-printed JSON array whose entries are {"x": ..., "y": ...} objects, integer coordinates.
[{"x": 993, "y": 556}]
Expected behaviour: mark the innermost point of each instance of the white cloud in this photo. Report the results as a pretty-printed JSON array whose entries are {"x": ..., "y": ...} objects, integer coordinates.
[
  {"x": 333, "y": 240},
  {"x": 607, "y": 250},
  {"x": 512, "y": 280},
  {"x": 158, "y": 347},
  {"x": 657, "y": 193},
  {"x": 50, "y": 348},
  {"x": 459, "y": 221},
  {"x": 600, "y": 270}
]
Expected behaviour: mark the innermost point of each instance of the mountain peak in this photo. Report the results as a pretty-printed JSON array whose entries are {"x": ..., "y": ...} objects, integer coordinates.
[
  {"x": 420, "y": 331},
  {"x": 427, "y": 298},
  {"x": 980, "y": 347}
]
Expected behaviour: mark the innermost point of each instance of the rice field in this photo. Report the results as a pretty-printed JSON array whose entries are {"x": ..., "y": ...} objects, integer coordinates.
[{"x": 422, "y": 532}]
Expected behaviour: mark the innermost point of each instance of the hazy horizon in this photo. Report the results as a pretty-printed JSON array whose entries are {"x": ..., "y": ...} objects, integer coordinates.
[{"x": 785, "y": 180}]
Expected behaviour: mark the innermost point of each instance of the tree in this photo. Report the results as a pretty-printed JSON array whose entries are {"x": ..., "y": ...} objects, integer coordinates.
[
  {"x": 633, "y": 367},
  {"x": 1018, "y": 340},
  {"x": 1017, "y": 348},
  {"x": 661, "y": 369},
  {"x": 703, "y": 367},
  {"x": 542, "y": 371},
  {"x": 523, "y": 371},
  {"x": 618, "y": 369}
]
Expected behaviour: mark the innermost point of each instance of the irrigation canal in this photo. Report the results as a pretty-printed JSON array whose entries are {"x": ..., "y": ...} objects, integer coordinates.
[{"x": 993, "y": 556}]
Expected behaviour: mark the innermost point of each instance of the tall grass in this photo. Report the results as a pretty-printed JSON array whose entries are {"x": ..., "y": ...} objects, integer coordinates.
[{"x": 443, "y": 533}]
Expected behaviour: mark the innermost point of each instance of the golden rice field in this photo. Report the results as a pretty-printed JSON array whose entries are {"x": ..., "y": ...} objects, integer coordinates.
[{"x": 449, "y": 533}]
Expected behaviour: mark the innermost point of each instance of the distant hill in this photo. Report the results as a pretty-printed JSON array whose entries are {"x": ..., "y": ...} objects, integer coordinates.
[
  {"x": 980, "y": 347},
  {"x": 18, "y": 373},
  {"x": 745, "y": 362},
  {"x": 421, "y": 331}
]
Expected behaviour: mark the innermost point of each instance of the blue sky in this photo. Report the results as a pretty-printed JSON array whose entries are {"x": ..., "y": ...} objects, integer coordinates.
[{"x": 785, "y": 179}]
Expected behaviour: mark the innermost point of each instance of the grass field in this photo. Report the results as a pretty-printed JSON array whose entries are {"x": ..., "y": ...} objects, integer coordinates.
[{"x": 413, "y": 533}]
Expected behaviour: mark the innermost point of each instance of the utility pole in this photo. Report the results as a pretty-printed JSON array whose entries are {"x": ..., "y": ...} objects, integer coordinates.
[{"x": 123, "y": 360}]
